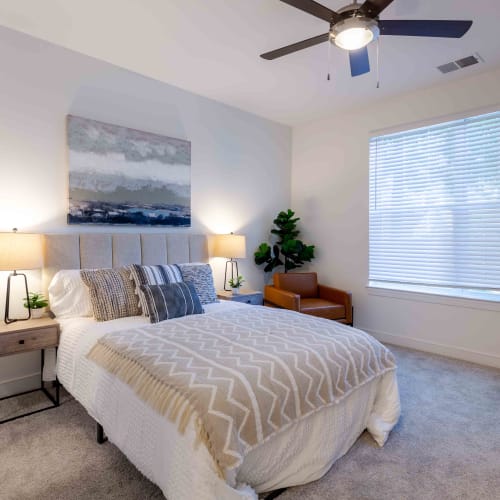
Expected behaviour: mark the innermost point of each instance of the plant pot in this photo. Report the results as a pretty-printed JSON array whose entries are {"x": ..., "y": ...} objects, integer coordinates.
[
  {"x": 37, "y": 313},
  {"x": 236, "y": 291}
]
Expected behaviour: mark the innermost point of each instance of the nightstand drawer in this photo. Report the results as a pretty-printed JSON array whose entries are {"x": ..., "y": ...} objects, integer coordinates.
[
  {"x": 246, "y": 296},
  {"x": 28, "y": 340},
  {"x": 254, "y": 299}
]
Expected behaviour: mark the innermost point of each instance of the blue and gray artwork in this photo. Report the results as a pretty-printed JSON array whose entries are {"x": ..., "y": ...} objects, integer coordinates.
[{"x": 118, "y": 175}]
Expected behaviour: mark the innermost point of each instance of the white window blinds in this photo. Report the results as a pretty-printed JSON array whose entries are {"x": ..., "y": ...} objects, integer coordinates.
[{"x": 435, "y": 205}]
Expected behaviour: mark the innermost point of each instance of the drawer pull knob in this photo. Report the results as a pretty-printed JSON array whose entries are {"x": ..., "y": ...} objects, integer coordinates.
[{"x": 21, "y": 341}]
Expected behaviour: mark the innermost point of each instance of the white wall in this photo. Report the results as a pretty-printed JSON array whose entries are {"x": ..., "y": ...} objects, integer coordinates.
[
  {"x": 240, "y": 176},
  {"x": 330, "y": 192}
]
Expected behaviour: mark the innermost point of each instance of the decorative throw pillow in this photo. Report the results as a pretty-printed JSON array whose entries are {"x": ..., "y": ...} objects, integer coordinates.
[
  {"x": 172, "y": 300},
  {"x": 153, "y": 275},
  {"x": 200, "y": 276},
  {"x": 111, "y": 293}
]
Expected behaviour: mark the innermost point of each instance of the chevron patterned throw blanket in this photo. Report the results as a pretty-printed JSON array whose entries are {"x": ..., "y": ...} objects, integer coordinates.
[{"x": 243, "y": 375}]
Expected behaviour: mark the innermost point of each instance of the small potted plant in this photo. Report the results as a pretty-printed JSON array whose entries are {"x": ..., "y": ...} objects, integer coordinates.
[
  {"x": 235, "y": 284},
  {"x": 37, "y": 303}
]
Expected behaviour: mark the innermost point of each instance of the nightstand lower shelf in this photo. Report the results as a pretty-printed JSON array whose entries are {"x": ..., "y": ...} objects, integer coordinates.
[{"x": 53, "y": 398}]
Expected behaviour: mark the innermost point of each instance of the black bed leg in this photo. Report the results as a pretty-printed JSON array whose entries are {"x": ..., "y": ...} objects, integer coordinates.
[
  {"x": 274, "y": 494},
  {"x": 100, "y": 434}
]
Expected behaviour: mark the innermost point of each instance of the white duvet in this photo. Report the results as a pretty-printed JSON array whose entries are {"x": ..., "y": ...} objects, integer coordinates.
[{"x": 182, "y": 470}]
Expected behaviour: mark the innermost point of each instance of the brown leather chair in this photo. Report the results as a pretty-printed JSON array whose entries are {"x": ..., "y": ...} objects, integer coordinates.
[{"x": 301, "y": 292}]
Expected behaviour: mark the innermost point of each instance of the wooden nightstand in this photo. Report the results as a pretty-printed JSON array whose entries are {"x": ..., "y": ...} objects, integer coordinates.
[
  {"x": 246, "y": 296},
  {"x": 26, "y": 336}
]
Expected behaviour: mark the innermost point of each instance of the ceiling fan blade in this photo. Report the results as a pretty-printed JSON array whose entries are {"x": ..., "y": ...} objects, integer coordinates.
[
  {"x": 294, "y": 47},
  {"x": 315, "y": 9},
  {"x": 360, "y": 64},
  {"x": 444, "y": 29},
  {"x": 372, "y": 8}
]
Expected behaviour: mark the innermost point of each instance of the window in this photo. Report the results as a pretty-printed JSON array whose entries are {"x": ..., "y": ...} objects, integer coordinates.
[{"x": 435, "y": 208}]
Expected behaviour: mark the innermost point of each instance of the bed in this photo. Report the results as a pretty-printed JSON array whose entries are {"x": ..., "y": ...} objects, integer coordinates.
[{"x": 177, "y": 462}]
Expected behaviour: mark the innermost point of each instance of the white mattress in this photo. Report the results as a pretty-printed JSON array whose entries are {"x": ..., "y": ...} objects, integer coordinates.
[{"x": 182, "y": 470}]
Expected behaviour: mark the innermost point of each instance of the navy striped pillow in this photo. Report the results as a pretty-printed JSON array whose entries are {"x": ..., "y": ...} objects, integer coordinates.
[
  {"x": 153, "y": 275},
  {"x": 172, "y": 300}
]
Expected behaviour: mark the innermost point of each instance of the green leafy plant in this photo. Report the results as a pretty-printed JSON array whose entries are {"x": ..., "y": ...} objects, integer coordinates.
[
  {"x": 288, "y": 251},
  {"x": 236, "y": 282},
  {"x": 36, "y": 301}
]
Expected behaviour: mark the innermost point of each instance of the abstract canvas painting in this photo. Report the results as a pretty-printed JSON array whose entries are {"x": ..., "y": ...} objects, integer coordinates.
[{"x": 118, "y": 175}]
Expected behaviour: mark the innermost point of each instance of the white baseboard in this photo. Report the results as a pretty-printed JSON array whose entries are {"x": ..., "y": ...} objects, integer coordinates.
[
  {"x": 20, "y": 384},
  {"x": 435, "y": 348}
]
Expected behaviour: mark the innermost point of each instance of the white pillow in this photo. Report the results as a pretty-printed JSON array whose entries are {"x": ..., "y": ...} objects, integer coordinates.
[{"x": 69, "y": 297}]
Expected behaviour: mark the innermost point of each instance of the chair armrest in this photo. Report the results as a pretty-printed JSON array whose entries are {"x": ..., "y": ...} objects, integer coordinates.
[
  {"x": 282, "y": 298},
  {"x": 339, "y": 297}
]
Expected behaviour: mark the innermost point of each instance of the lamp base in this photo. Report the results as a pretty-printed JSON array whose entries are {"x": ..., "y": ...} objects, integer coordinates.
[
  {"x": 234, "y": 264},
  {"x": 6, "y": 318}
]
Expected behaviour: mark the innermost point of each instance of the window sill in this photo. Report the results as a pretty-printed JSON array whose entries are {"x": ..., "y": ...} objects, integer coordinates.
[{"x": 450, "y": 297}]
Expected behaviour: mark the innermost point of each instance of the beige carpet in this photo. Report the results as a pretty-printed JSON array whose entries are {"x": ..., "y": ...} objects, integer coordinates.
[{"x": 446, "y": 446}]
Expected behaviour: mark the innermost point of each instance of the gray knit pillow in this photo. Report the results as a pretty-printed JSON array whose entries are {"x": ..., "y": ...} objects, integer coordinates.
[
  {"x": 200, "y": 276},
  {"x": 112, "y": 293},
  {"x": 172, "y": 300}
]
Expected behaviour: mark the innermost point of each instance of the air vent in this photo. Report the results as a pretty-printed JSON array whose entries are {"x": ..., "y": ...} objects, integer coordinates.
[
  {"x": 467, "y": 61},
  {"x": 460, "y": 63},
  {"x": 448, "y": 67}
]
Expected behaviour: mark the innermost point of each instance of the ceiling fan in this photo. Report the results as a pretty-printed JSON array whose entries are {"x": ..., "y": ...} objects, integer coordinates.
[{"x": 354, "y": 26}]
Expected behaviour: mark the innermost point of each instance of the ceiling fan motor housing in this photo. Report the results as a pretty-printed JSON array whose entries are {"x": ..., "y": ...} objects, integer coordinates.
[{"x": 351, "y": 8}]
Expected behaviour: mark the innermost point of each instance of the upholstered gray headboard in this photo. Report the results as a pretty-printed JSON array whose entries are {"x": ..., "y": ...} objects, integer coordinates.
[{"x": 100, "y": 250}]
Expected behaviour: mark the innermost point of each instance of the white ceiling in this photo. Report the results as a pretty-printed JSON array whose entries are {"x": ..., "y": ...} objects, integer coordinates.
[{"x": 212, "y": 47}]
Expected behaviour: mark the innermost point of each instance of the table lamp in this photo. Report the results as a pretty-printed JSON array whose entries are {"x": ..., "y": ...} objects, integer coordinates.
[
  {"x": 232, "y": 246},
  {"x": 19, "y": 251}
]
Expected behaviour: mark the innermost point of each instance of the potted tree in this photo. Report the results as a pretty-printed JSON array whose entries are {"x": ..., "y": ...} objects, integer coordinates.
[
  {"x": 37, "y": 303},
  {"x": 288, "y": 251}
]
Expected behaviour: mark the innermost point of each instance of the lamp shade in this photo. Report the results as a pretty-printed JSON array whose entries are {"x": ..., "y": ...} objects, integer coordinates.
[
  {"x": 232, "y": 246},
  {"x": 20, "y": 251}
]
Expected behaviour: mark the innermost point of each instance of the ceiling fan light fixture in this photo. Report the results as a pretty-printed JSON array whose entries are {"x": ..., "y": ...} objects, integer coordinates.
[{"x": 354, "y": 33}]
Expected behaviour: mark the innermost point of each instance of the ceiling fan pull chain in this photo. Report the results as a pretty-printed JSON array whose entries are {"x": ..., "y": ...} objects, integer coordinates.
[
  {"x": 329, "y": 62},
  {"x": 378, "y": 63}
]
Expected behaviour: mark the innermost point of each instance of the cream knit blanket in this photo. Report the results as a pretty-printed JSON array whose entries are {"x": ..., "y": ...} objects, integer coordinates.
[{"x": 242, "y": 375}]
